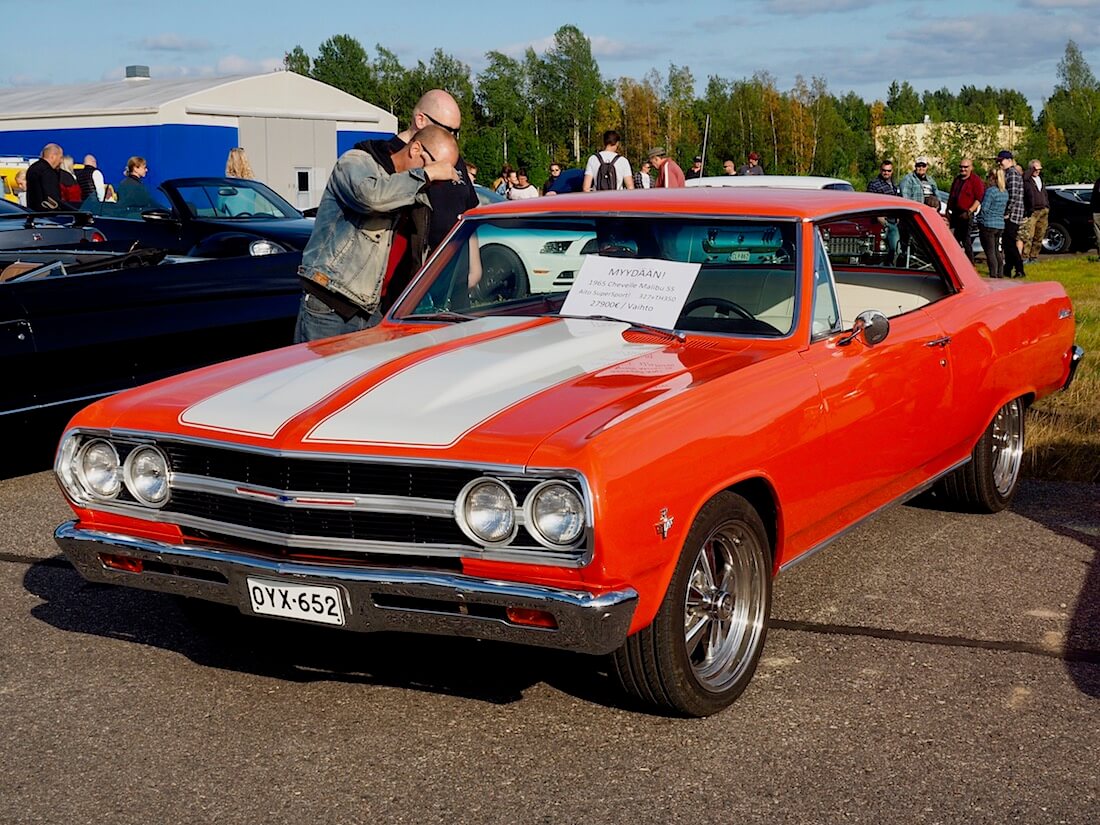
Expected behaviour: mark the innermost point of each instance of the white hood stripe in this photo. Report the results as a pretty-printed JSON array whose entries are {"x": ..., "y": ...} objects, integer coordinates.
[
  {"x": 262, "y": 406},
  {"x": 434, "y": 402}
]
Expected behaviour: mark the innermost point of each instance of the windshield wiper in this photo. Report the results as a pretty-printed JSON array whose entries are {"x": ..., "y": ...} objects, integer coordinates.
[
  {"x": 674, "y": 333},
  {"x": 442, "y": 315}
]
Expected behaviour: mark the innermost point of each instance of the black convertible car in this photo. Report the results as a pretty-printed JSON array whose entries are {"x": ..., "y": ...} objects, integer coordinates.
[
  {"x": 75, "y": 325},
  {"x": 206, "y": 218}
]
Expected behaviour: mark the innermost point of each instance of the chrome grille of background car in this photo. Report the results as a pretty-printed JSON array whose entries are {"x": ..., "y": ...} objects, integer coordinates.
[{"x": 849, "y": 244}]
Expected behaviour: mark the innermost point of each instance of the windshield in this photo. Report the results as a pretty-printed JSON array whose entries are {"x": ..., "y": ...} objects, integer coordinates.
[
  {"x": 733, "y": 276},
  {"x": 236, "y": 198}
]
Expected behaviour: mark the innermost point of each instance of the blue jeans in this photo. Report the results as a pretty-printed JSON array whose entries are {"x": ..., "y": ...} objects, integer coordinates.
[{"x": 317, "y": 320}]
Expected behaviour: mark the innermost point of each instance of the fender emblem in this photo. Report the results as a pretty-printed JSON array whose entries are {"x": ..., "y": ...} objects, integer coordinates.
[{"x": 664, "y": 523}]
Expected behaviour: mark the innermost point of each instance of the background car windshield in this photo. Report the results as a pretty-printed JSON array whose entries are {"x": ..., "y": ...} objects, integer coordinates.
[
  {"x": 240, "y": 199},
  {"x": 745, "y": 285},
  {"x": 113, "y": 209}
]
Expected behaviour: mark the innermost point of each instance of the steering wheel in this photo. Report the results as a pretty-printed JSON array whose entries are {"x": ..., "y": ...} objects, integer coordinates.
[
  {"x": 244, "y": 215},
  {"x": 719, "y": 304}
]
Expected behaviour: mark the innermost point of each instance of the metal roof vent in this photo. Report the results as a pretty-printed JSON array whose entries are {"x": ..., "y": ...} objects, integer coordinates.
[{"x": 137, "y": 72}]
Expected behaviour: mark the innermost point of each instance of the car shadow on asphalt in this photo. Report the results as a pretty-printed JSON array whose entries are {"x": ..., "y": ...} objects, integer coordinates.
[
  {"x": 221, "y": 637},
  {"x": 1072, "y": 510}
]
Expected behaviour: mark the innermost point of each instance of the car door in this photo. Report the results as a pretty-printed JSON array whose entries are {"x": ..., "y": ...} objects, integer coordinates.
[
  {"x": 885, "y": 404},
  {"x": 16, "y": 354}
]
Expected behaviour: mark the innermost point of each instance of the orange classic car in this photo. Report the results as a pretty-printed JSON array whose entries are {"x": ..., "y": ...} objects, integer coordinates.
[{"x": 618, "y": 462}]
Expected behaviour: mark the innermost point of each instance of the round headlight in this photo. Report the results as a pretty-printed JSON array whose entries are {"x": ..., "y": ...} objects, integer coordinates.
[
  {"x": 99, "y": 468},
  {"x": 264, "y": 247},
  {"x": 556, "y": 512},
  {"x": 487, "y": 511},
  {"x": 147, "y": 475}
]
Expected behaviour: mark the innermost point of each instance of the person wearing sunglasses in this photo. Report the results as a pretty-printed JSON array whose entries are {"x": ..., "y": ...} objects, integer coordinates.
[
  {"x": 429, "y": 226},
  {"x": 356, "y": 245}
]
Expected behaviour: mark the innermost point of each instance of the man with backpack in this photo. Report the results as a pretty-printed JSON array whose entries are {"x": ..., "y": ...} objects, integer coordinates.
[{"x": 607, "y": 169}]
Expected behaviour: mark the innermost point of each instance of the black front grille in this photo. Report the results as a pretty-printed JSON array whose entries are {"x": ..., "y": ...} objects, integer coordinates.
[
  {"x": 313, "y": 475},
  {"x": 332, "y": 524}
]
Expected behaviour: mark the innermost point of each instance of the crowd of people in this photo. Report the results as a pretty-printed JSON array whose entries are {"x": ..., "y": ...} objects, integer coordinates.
[
  {"x": 53, "y": 183},
  {"x": 608, "y": 168},
  {"x": 1009, "y": 209}
]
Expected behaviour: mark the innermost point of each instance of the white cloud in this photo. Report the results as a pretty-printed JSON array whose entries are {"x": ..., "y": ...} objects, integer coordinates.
[
  {"x": 174, "y": 43},
  {"x": 804, "y": 8}
]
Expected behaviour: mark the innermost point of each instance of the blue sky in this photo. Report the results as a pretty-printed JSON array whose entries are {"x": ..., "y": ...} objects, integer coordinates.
[{"x": 858, "y": 45}]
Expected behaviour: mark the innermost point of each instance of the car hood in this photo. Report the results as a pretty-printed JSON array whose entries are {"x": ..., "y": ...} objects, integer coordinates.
[
  {"x": 295, "y": 230},
  {"x": 488, "y": 390}
]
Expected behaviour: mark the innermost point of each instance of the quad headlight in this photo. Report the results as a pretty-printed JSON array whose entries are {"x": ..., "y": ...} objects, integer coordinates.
[
  {"x": 146, "y": 475},
  {"x": 486, "y": 511},
  {"x": 263, "y": 246},
  {"x": 555, "y": 514},
  {"x": 98, "y": 468}
]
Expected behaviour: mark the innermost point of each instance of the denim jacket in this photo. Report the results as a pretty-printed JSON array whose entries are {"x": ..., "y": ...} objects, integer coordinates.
[{"x": 349, "y": 248}]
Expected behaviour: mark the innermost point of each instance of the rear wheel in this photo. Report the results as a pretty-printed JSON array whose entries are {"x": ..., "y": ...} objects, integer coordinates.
[
  {"x": 988, "y": 482},
  {"x": 504, "y": 276},
  {"x": 703, "y": 646}
]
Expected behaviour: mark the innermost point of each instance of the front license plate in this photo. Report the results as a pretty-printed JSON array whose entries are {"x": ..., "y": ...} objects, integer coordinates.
[{"x": 308, "y": 602}]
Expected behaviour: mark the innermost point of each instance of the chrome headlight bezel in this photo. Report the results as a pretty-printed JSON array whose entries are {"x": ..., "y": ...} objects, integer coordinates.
[
  {"x": 462, "y": 517},
  {"x": 87, "y": 487},
  {"x": 265, "y": 246},
  {"x": 130, "y": 480},
  {"x": 536, "y": 529}
]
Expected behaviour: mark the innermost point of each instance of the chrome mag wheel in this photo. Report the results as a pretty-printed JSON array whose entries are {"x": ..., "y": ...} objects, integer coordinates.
[
  {"x": 1007, "y": 444},
  {"x": 725, "y": 606}
]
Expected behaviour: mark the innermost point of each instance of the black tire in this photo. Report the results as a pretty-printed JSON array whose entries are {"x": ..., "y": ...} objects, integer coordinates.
[
  {"x": 988, "y": 482},
  {"x": 503, "y": 275},
  {"x": 1057, "y": 239},
  {"x": 683, "y": 662}
]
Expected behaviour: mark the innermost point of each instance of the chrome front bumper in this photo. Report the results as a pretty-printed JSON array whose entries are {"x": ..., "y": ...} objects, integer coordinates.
[
  {"x": 1076, "y": 353},
  {"x": 375, "y": 599}
]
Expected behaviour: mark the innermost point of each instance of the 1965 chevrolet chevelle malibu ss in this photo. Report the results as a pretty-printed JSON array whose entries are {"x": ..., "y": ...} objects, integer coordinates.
[{"x": 615, "y": 464}]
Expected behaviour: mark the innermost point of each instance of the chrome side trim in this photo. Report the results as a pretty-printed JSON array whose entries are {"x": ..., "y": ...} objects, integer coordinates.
[
  {"x": 376, "y": 599},
  {"x": 904, "y": 497}
]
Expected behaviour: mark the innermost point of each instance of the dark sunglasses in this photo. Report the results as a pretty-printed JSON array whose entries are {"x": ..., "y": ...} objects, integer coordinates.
[
  {"x": 424, "y": 149},
  {"x": 450, "y": 129}
]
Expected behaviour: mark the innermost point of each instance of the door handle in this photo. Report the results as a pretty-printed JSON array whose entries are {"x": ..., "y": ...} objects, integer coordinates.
[{"x": 939, "y": 342}]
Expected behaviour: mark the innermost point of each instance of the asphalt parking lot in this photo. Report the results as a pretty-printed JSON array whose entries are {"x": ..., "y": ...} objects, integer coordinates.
[{"x": 929, "y": 668}]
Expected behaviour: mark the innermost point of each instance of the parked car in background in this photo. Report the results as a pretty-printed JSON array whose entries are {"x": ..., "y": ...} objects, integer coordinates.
[
  {"x": 486, "y": 195},
  {"x": 772, "y": 182},
  {"x": 78, "y": 325},
  {"x": 1070, "y": 226},
  {"x": 207, "y": 218},
  {"x": 10, "y": 165},
  {"x": 616, "y": 465},
  {"x": 22, "y": 229}
]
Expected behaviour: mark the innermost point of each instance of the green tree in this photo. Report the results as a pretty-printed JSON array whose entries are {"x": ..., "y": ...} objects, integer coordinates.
[
  {"x": 572, "y": 77},
  {"x": 342, "y": 62},
  {"x": 296, "y": 60}
]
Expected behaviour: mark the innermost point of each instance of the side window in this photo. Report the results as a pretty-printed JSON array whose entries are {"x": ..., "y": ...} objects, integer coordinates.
[
  {"x": 826, "y": 317},
  {"x": 883, "y": 261}
]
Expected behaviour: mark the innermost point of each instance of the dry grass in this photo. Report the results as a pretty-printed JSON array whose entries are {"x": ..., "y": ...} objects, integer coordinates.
[{"x": 1063, "y": 434}]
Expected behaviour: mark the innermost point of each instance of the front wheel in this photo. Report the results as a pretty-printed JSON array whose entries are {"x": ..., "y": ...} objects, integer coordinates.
[
  {"x": 1057, "y": 239},
  {"x": 706, "y": 639},
  {"x": 988, "y": 482}
]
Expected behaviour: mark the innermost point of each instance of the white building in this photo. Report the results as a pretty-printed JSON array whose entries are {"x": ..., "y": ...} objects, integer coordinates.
[{"x": 291, "y": 127}]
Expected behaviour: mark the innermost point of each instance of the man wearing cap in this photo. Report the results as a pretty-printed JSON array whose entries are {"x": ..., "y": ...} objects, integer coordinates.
[
  {"x": 696, "y": 170},
  {"x": 1036, "y": 212},
  {"x": 669, "y": 173},
  {"x": 753, "y": 167},
  {"x": 1014, "y": 215},
  {"x": 918, "y": 185}
]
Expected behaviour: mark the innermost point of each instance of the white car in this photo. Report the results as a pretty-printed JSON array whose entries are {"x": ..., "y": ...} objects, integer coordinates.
[{"x": 774, "y": 182}]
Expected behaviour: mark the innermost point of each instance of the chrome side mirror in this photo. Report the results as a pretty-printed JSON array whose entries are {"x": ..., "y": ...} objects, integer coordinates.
[{"x": 872, "y": 324}]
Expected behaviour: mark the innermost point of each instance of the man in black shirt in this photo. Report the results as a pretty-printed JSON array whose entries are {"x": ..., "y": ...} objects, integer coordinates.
[{"x": 44, "y": 181}]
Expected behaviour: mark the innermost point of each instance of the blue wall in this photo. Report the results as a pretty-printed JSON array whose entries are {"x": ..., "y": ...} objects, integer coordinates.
[
  {"x": 346, "y": 140},
  {"x": 172, "y": 150}
]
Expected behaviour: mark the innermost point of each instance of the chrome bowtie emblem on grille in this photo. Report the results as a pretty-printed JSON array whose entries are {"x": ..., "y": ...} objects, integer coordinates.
[{"x": 664, "y": 523}]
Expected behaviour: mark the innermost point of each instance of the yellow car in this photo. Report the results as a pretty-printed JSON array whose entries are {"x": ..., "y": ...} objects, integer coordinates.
[{"x": 9, "y": 167}]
